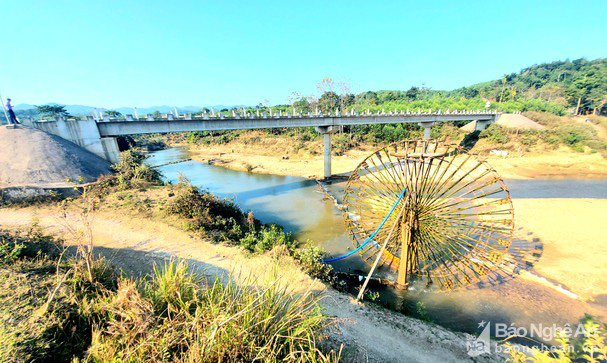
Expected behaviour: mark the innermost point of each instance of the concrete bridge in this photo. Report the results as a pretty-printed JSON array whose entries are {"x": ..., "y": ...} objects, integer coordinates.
[{"x": 99, "y": 135}]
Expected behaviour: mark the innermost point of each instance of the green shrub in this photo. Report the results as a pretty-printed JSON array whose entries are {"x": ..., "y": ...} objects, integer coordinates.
[
  {"x": 344, "y": 142},
  {"x": 266, "y": 238},
  {"x": 45, "y": 311},
  {"x": 529, "y": 139},
  {"x": 544, "y": 118},
  {"x": 28, "y": 244},
  {"x": 573, "y": 133},
  {"x": 577, "y": 147},
  {"x": 310, "y": 257},
  {"x": 131, "y": 169},
  {"x": 551, "y": 138},
  {"x": 219, "y": 218},
  {"x": 222, "y": 220},
  {"x": 495, "y": 134}
]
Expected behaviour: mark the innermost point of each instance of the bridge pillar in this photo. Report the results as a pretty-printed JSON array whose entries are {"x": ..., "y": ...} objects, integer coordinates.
[
  {"x": 427, "y": 128},
  {"x": 481, "y": 124},
  {"x": 326, "y": 132}
]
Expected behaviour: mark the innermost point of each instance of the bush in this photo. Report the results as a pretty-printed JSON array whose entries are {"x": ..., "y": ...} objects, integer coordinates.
[
  {"x": 266, "y": 238},
  {"x": 344, "y": 142},
  {"x": 29, "y": 244},
  {"x": 529, "y": 139},
  {"x": 131, "y": 169},
  {"x": 573, "y": 133},
  {"x": 222, "y": 220},
  {"x": 495, "y": 134},
  {"x": 45, "y": 312},
  {"x": 310, "y": 257},
  {"x": 175, "y": 318},
  {"x": 547, "y": 119},
  {"x": 219, "y": 219}
]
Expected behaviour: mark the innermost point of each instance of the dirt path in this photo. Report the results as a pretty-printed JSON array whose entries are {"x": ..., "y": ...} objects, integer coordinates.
[{"x": 367, "y": 332}]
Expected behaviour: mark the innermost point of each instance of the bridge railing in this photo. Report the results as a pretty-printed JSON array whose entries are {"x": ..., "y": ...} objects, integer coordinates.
[{"x": 251, "y": 115}]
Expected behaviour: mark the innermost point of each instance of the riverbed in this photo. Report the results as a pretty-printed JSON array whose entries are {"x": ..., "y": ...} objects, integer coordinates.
[{"x": 299, "y": 205}]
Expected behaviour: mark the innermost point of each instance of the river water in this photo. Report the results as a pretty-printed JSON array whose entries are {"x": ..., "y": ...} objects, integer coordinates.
[{"x": 301, "y": 208}]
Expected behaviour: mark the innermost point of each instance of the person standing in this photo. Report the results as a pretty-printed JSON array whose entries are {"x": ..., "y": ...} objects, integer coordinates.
[{"x": 11, "y": 113}]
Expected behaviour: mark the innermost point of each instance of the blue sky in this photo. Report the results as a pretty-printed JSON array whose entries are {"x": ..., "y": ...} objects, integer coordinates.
[{"x": 142, "y": 53}]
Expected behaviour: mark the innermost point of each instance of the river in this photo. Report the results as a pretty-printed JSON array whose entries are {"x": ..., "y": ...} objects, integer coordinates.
[{"x": 301, "y": 208}]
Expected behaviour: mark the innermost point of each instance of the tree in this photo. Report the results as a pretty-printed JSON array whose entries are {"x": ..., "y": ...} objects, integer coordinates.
[
  {"x": 368, "y": 98},
  {"x": 112, "y": 113},
  {"x": 328, "y": 102},
  {"x": 52, "y": 111},
  {"x": 413, "y": 94},
  {"x": 302, "y": 105},
  {"x": 346, "y": 100}
]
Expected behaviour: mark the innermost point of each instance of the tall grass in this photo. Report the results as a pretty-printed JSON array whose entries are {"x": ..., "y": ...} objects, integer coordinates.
[
  {"x": 50, "y": 310},
  {"x": 220, "y": 322}
]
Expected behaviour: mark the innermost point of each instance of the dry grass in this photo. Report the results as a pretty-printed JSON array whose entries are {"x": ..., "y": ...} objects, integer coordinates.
[
  {"x": 196, "y": 323},
  {"x": 51, "y": 310}
]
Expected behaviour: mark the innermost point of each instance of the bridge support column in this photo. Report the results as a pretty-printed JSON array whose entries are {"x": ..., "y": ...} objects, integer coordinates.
[
  {"x": 326, "y": 132},
  {"x": 427, "y": 128},
  {"x": 481, "y": 124}
]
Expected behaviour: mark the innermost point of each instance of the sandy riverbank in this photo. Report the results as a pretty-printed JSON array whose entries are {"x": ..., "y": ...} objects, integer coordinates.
[
  {"x": 574, "y": 240},
  {"x": 274, "y": 156}
]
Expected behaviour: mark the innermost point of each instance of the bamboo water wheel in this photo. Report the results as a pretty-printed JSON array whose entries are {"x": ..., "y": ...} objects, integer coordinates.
[{"x": 452, "y": 218}]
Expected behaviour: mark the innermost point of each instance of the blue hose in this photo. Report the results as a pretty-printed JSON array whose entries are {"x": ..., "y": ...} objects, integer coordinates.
[{"x": 333, "y": 259}]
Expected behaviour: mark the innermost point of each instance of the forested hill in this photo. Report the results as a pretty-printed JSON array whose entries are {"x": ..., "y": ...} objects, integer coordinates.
[
  {"x": 578, "y": 87},
  {"x": 562, "y": 87},
  {"x": 579, "y": 84}
]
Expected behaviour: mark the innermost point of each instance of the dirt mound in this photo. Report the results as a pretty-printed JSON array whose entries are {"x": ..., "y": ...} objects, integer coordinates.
[
  {"x": 518, "y": 121},
  {"x": 33, "y": 158},
  {"x": 510, "y": 120}
]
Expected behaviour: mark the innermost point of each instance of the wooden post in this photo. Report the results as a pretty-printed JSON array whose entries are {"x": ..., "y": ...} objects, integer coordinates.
[
  {"x": 405, "y": 238},
  {"x": 361, "y": 292}
]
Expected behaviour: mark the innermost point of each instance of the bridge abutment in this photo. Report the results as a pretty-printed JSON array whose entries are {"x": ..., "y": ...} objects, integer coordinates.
[{"x": 84, "y": 133}]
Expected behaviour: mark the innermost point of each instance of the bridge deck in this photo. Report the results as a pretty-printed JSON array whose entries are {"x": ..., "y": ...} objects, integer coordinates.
[{"x": 128, "y": 126}]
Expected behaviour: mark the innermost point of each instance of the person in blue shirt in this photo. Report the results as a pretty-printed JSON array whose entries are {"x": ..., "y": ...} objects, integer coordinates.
[{"x": 11, "y": 113}]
